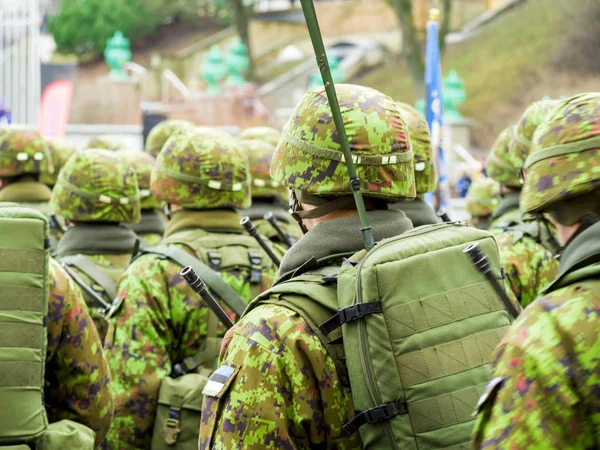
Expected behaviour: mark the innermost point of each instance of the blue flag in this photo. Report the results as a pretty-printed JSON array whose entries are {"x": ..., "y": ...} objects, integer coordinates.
[{"x": 434, "y": 112}]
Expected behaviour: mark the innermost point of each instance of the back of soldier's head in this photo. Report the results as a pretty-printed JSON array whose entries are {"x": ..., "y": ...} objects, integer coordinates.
[
  {"x": 23, "y": 151},
  {"x": 161, "y": 133},
  {"x": 60, "y": 152},
  {"x": 310, "y": 161},
  {"x": 97, "y": 186},
  {"x": 562, "y": 172},
  {"x": 142, "y": 163},
  {"x": 264, "y": 188},
  {"x": 483, "y": 197},
  {"x": 202, "y": 169},
  {"x": 105, "y": 143},
  {"x": 420, "y": 139},
  {"x": 264, "y": 134}
]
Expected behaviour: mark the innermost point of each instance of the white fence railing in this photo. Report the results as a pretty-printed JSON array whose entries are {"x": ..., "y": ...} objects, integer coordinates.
[{"x": 20, "y": 82}]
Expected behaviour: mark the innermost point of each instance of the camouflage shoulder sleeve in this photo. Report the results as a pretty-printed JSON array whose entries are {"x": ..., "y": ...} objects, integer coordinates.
[
  {"x": 529, "y": 266},
  {"x": 543, "y": 394},
  {"x": 276, "y": 388},
  {"x": 158, "y": 322},
  {"x": 79, "y": 385}
]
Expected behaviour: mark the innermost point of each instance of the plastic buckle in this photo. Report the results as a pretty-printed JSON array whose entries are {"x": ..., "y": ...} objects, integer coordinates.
[
  {"x": 214, "y": 259},
  {"x": 171, "y": 431},
  {"x": 380, "y": 413},
  {"x": 350, "y": 314},
  {"x": 256, "y": 265}
]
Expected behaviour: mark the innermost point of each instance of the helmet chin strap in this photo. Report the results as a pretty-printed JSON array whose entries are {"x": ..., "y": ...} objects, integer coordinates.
[{"x": 323, "y": 206}]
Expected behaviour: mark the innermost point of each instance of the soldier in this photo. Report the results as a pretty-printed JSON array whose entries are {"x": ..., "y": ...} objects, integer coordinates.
[
  {"x": 545, "y": 388},
  {"x": 506, "y": 161},
  {"x": 96, "y": 192},
  {"x": 60, "y": 152},
  {"x": 417, "y": 210},
  {"x": 105, "y": 143},
  {"x": 267, "y": 194},
  {"x": 265, "y": 134},
  {"x": 77, "y": 375},
  {"x": 24, "y": 155},
  {"x": 159, "y": 322},
  {"x": 152, "y": 225},
  {"x": 283, "y": 376},
  {"x": 482, "y": 200},
  {"x": 162, "y": 132},
  {"x": 528, "y": 246}
]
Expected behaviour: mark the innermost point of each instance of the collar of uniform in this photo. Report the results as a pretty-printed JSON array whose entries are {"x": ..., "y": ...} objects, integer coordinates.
[
  {"x": 151, "y": 222},
  {"x": 418, "y": 211},
  {"x": 259, "y": 209},
  {"x": 341, "y": 236},
  {"x": 219, "y": 220},
  {"x": 508, "y": 203},
  {"x": 583, "y": 252},
  {"x": 25, "y": 191},
  {"x": 96, "y": 239}
]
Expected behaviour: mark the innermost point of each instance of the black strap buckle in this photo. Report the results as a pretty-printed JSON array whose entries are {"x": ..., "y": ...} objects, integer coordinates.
[
  {"x": 377, "y": 414},
  {"x": 186, "y": 366},
  {"x": 256, "y": 260},
  {"x": 214, "y": 259},
  {"x": 350, "y": 314}
]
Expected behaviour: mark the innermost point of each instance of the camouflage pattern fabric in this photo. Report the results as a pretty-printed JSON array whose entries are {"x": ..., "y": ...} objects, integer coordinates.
[
  {"x": 309, "y": 158},
  {"x": 529, "y": 266},
  {"x": 77, "y": 374},
  {"x": 259, "y": 156},
  {"x": 161, "y": 133},
  {"x": 563, "y": 163},
  {"x": 202, "y": 169},
  {"x": 142, "y": 164},
  {"x": 264, "y": 134},
  {"x": 521, "y": 141},
  {"x": 420, "y": 139},
  {"x": 60, "y": 152},
  {"x": 23, "y": 150},
  {"x": 483, "y": 197},
  {"x": 284, "y": 392},
  {"x": 96, "y": 185},
  {"x": 159, "y": 322},
  {"x": 105, "y": 143},
  {"x": 502, "y": 166}
]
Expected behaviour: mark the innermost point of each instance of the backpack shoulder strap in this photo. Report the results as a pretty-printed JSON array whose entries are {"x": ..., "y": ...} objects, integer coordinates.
[
  {"x": 92, "y": 270},
  {"x": 212, "y": 278}
]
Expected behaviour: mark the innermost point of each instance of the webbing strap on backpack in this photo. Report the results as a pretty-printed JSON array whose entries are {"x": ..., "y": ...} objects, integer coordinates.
[
  {"x": 24, "y": 275},
  {"x": 212, "y": 279},
  {"x": 92, "y": 270}
]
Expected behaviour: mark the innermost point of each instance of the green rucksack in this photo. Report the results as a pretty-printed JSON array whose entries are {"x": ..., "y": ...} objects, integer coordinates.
[
  {"x": 177, "y": 422},
  {"x": 24, "y": 281},
  {"x": 425, "y": 324}
]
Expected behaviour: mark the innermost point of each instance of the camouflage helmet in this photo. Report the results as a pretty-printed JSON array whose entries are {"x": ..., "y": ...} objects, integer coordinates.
[
  {"x": 483, "y": 197},
  {"x": 420, "y": 139},
  {"x": 23, "y": 150},
  {"x": 142, "y": 164},
  {"x": 265, "y": 134},
  {"x": 97, "y": 186},
  {"x": 60, "y": 152},
  {"x": 500, "y": 167},
  {"x": 159, "y": 135},
  {"x": 520, "y": 144},
  {"x": 202, "y": 169},
  {"x": 563, "y": 170},
  {"x": 309, "y": 158},
  {"x": 259, "y": 155},
  {"x": 105, "y": 143}
]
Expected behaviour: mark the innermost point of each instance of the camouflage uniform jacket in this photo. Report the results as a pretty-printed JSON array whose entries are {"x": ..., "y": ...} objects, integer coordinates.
[
  {"x": 159, "y": 322},
  {"x": 78, "y": 384},
  {"x": 506, "y": 214},
  {"x": 283, "y": 390},
  {"x": 151, "y": 228},
  {"x": 528, "y": 263},
  {"x": 109, "y": 250},
  {"x": 546, "y": 393}
]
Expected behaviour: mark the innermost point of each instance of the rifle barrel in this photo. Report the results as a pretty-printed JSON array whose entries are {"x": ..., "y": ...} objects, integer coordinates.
[
  {"x": 285, "y": 239},
  {"x": 246, "y": 222}
]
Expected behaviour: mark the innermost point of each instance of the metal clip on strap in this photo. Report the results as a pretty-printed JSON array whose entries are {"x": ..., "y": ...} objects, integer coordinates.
[
  {"x": 377, "y": 414},
  {"x": 255, "y": 267},
  {"x": 171, "y": 429},
  {"x": 349, "y": 314}
]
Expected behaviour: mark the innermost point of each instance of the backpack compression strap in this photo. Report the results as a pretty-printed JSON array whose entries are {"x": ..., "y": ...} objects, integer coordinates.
[{"x": 212, "y": 278}]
